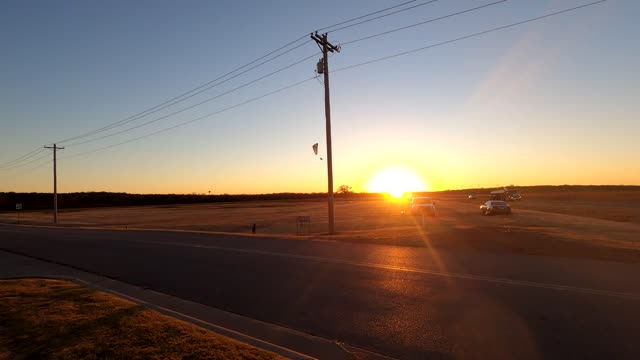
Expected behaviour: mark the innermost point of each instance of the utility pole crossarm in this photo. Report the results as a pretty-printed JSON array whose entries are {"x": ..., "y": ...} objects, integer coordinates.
[{"x": 322, "y": 40}]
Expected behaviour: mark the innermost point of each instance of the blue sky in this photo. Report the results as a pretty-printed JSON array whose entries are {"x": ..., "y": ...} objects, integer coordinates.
[{"x": 551, "y": 102}]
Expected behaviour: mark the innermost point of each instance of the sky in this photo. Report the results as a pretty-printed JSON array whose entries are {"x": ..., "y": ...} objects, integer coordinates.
[{"x": 548, "y": 102}]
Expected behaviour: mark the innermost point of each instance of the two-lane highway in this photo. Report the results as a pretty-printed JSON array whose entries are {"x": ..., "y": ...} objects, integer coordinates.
[{"x": 411, "y": 303}]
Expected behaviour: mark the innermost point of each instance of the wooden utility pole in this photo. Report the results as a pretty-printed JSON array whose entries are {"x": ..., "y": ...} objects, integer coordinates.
[
  {"x": 55, "y": 182},
  {"x": 323, "y": 67}
]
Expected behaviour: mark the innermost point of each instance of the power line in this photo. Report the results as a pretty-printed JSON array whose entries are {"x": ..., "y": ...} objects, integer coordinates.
[
  {"x": 425, "y": 22},
  {"x": 364, "y": 16},
  {"x": 471, "y": 35},
  {"x": 208, "y": 85},
  {"x": 195, "y": 91},
  {"x": 193, "y": 120},
  {"x": 197, "y": 104},
  {"x": 22, "y": 158},
  {"x": 184, "y": 96},
  {"x": 382, "y": 16},
  {"x": 24, "y": 164},
  {"x": 31, "y": 169},
  {"x": 346, "y": 68},
  {"x": 200, "y": 89}
]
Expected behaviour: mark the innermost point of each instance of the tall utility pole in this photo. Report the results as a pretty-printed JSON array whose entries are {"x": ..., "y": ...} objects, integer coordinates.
[
  {"x": 55, "y": 182},
  {"x": 323, "y": 68}
]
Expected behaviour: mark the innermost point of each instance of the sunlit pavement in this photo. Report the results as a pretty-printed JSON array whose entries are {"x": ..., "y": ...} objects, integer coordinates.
[{"x": 409, "y": 303}]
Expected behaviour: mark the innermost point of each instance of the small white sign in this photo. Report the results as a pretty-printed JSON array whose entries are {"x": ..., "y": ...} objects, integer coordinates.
[{"x": 18, "y": 206}]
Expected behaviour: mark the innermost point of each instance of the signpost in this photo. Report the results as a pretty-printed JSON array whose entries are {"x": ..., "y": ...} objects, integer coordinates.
[
  {"x": 302, "y": 225},
  {"x": 18, "y": 208}
]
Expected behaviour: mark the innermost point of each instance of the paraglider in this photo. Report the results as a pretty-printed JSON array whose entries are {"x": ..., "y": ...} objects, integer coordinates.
[{"x": 315, "y": 149}]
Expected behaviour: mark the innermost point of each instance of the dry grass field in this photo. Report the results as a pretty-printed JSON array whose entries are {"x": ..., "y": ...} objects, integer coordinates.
[
  {"x": 602, "y": 225},
  {"x": 54, "y": 319},
  {"x": 622, "y": 206}
]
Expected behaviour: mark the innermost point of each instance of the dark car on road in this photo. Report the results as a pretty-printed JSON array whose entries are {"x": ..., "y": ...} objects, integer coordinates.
[{"x": 492, "y": 207}]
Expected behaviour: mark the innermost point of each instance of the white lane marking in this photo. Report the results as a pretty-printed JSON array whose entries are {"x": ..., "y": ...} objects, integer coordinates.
[{"x": 410, "y": 270}]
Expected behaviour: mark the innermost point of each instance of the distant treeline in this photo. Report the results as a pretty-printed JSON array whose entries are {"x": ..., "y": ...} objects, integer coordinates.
[{"x": 41, "y": 201}]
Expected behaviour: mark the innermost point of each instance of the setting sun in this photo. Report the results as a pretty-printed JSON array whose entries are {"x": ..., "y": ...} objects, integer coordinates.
[{"x": 395, "y": 182}]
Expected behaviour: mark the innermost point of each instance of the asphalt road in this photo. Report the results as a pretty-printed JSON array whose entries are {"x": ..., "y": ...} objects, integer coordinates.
[{"x": 409, "y": 303}]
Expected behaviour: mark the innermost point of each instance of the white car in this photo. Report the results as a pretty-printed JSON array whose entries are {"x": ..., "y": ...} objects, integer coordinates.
[
  {"x": 422, "y": 206},
  {"x": 493, "y": 207},
  {"x": 515, "y": 197}
]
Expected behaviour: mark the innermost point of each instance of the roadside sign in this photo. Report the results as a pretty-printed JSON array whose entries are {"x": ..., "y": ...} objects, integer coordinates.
[
  {"x": 304, "y": 219},
  {"x": 302, "y": 224},
  {"x": 19, "y": 207}
]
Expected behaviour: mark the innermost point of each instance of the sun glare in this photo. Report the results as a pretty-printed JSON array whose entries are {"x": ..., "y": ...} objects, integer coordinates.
[{"x": 395, "y": 182}]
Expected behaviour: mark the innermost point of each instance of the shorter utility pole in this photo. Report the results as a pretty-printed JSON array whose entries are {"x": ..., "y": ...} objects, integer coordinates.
[
  {"x": 323, "y": 68},
  {"x": 55, "y": 181}
]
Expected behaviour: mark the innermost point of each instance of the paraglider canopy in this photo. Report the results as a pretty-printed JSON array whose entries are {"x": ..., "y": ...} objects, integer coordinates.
[{"x": 315, "y": 148}]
